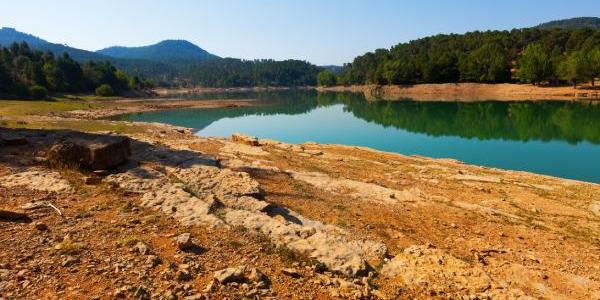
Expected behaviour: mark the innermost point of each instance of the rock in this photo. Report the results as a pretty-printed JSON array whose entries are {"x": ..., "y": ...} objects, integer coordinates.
[
  {"x": 183, "y": 275},
  {"x": 244, "y": 139},
  {"x": 256, "y": 276},
  {"x": 70, "y": 261},
  {"x": 184, "y": 241},
  {"x": 291, "y": 272},
  {"x": 94, "y": 152},
  {"x": 38, "y": 180},
  {"x": 188, "y": 209},
  {"x": 323, "y": 243},
  {"x": 40, "y": 226},
  {"x": 153, "y": 261},
  {"x": 209, "y": 287},
  {"x": 229, "y": 275},
  {"x": 141, "y": 248},
  {"x": 12, "y": 215},
  {"x": 4, "y": 274},
  {"x": 92, "y": 180},
  {"x": 121, "y": 292},
  {"x": 417, "y": 265}
]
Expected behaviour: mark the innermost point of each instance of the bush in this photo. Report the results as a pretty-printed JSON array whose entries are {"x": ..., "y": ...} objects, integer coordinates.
[
  {"x": 326, "y": 78},
  {"x": 38, "y": 92},
  {"x": 105, "y": 90}
]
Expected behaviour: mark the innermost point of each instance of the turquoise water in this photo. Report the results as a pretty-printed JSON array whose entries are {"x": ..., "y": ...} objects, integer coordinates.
[{"x": 554, "y": 138}]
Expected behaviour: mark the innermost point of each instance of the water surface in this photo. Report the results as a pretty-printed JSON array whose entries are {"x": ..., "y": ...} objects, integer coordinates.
[{"x": 555, "y": 138}]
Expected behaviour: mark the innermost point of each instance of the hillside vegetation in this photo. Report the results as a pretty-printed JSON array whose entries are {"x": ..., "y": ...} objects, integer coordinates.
[
  {"x": 573, "y": 23},
  {"x": 524, "y": 55},
  {"x": 27, "y": 73}
]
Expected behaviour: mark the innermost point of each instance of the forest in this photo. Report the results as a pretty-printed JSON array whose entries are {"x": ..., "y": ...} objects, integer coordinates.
[
  {"x": 33, "y": 74},
  {"x": 522, "y": 55},
  {"x": 231, "y": 72}
]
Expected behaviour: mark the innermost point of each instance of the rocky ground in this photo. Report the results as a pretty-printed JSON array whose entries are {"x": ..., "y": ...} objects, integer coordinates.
[{"x": 204, "y": 218}]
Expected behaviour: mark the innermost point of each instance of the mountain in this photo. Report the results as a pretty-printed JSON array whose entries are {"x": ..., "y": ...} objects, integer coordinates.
[
  {"x": 573, "y": 23},
  {"x": 165, "y": 51},
  {"x": 11, "y": 35}
]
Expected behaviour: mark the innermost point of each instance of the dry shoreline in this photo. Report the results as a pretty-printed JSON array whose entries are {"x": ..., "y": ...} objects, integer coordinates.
[
  {"x": 127, "y": 106},
  {"x": 383, "y": 225},
  {"x": 468, "y": 92}
]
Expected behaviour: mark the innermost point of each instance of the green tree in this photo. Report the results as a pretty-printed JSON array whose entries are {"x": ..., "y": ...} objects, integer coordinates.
[
  {"x": 38, "y": 92},
  {"x": 575, "y": 68},
  {"x": 535, "y": 65},
  {"x": 326, "y": 78},
  {"x": 489, "y": 63},
  {"x": 593, "y": 58},
  {"x": 105, "y": 90}
]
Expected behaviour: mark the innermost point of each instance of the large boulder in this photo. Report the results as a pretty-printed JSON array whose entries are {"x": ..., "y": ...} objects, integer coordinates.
[{"x": 95, "y": 153}]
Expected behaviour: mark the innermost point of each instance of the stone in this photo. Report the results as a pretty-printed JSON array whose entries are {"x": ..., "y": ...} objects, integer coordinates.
[
  {"x": 40, "y": 226},
  {"x": 421, "y": 264},
  {"x": 184, "y": 241},
  {"x": 183, "y": 275},
  {"x": 256, "y": 275},
  {"x": 141, "y": 248},
  {"x": 244, "y": 139},
  {"x": 291, "y": 272},
  {"x": 37, "y": 180},
  {"x": 70, "y": 261},
  {"x": 11, "y": 215},
  {"x": 323, "y": 243},
  {"x": 153, "y": 261},
  {"x": 92, "y": 180},
  {"x": 188, "y": 209},
  {"x": 230, "y": 275},
  {"x": 95, "y": 152}
]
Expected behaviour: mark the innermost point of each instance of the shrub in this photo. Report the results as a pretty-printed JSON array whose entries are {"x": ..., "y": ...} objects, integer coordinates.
[
  {"x": 38, "y": 92},
  {"x": 105, "y": 90}
]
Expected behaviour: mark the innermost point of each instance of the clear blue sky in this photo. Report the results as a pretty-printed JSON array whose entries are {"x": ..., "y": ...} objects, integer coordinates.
[{"x": 320, "y": 31}]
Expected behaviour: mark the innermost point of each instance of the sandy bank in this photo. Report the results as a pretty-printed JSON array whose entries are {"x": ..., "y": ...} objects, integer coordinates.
[{"x": 469, "y": 92}]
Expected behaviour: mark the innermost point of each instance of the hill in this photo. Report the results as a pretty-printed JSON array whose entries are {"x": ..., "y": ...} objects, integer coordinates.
[
  {"x": 11, "y": 35},
  {"x": 566, "y": 56},
  {"x": 165, "y": 51},
  {"x": 573, "y": 23}
]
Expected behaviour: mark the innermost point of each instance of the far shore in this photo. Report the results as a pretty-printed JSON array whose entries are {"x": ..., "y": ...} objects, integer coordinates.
[{"x": 469, "y": 92}]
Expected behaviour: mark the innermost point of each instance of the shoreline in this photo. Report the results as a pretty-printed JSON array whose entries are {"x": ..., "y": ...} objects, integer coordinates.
[{"x": 469, "y": 92}]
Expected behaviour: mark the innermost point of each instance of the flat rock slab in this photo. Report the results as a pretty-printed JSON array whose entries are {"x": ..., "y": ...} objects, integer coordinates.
[{"x": 46, "y": 181}]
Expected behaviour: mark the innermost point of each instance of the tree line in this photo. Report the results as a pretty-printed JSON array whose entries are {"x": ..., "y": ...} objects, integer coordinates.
[
  {"x": 521, "y": 55},
  {"x": 27, "y": 73},
  {"x": 231, "y": 72}
]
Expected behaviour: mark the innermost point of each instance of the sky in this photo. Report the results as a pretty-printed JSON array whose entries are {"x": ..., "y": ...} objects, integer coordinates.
[{"x": 324, "y": 32}]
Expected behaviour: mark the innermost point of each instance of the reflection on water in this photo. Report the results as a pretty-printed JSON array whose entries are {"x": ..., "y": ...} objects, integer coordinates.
[{"x": 556, "y": 138}]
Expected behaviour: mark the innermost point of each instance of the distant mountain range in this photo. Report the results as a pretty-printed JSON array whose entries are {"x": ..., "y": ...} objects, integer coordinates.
[
  {"x": 573, "y": 23},
  {"x": 165, "y": 51},
  {"x": 10, "y": 35}
]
